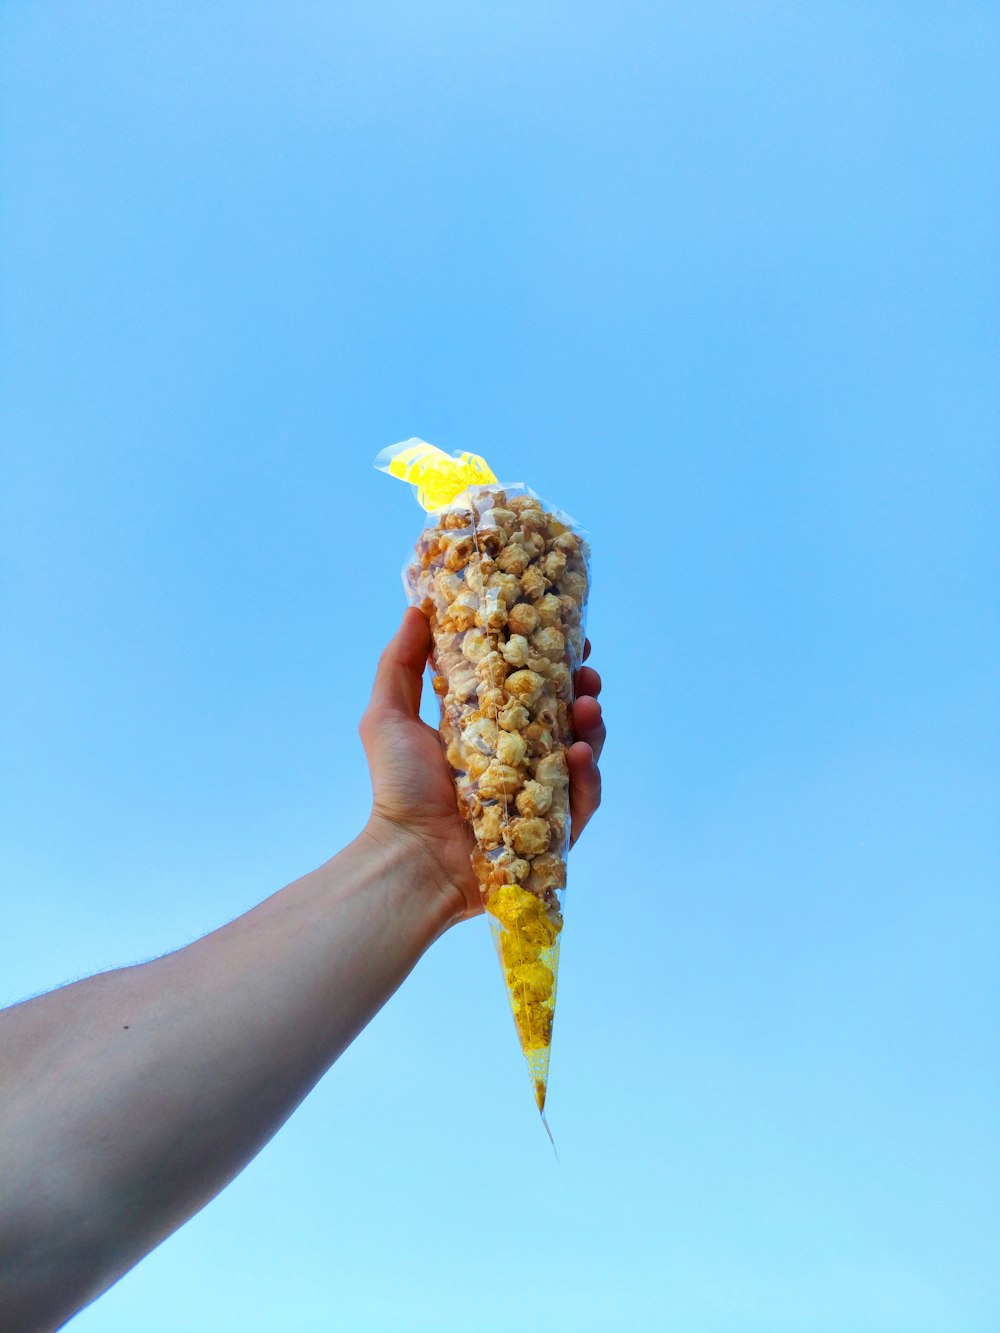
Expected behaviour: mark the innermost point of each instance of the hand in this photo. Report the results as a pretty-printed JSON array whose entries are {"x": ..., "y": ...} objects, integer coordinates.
[{"x": 414, "y": 797}]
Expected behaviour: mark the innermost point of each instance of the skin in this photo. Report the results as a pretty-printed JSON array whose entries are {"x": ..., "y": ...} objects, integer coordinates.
[{"x": 130, "y": 1099}]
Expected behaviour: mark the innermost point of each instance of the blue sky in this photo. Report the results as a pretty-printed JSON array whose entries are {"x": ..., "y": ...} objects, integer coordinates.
[{"x": 721, "y": 280}]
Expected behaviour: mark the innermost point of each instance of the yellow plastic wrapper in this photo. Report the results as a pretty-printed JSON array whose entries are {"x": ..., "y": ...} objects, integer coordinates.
[{"x": 503, "y": 578}]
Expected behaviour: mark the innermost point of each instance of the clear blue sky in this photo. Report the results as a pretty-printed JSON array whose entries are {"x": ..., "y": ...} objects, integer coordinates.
[{"x": 719, "y": 279}]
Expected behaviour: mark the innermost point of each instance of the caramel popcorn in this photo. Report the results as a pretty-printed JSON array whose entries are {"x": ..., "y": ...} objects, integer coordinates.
[
  {"x": 551, "y": 769},
  {"x": 528, "y": 836},
  {"x": 503, "y": 581},
  {"x": 550, "y": 642},
  {"x": 488, "y": 828},
  {"x": 513, "y": 560},
  {"x": 475, "y": 645},
  {"x": 522, "y": 619},
  {"x": 515, "y": 651},
  {"x": 511, "y": 747},
  {"x": 533, "y": 584},
  {"x": 482, "y": 733},
  {"x": 513, "y": 716},
  {"x": 548, "y": 610},
  {"x": 498, "y": 781},
  {"x": 526, "y": 686},
  {"x": 534, "y": 800},
  {"x": 548, "y": 872}
]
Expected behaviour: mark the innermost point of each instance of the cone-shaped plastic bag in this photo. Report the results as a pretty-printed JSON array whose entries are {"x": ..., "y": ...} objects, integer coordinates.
[{"x": 503, "y": 579}]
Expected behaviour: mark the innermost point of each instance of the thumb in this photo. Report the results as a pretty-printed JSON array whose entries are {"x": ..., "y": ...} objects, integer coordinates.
[{"x": 399, "y": 677}]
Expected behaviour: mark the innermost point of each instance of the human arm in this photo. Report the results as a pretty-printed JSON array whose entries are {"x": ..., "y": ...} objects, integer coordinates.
[{"x": 128, "y": 1100}]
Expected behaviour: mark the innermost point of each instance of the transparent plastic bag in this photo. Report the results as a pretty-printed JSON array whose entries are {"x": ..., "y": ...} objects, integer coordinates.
[{"x": 503, "y": 578}]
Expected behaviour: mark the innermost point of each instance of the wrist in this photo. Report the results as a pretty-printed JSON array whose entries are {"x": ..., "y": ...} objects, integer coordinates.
[{"x": 403, "y": 856}]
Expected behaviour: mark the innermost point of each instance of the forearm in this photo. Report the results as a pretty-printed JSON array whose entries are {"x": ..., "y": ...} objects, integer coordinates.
[{"x": 130, "y": 1099}]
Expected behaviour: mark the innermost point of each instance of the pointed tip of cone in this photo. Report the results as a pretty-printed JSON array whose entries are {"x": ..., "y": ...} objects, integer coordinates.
[
  {"x": 540, "y": 1095},
  {"x": 551, "y": 1139}
]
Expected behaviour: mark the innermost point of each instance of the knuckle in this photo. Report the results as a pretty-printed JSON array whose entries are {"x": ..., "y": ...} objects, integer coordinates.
[{"x": 368, "y": 722}]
